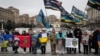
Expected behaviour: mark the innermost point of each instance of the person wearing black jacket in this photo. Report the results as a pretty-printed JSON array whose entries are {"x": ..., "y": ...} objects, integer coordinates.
[
  {"x": 30, "y": 32},
  {"x": 69, "y": 35},
  {"x": 78, "y": 34},
  {"x": 24, "y": 33},
  {"x": 95, "y": 41},
  {"x": 16, "y": 43}
]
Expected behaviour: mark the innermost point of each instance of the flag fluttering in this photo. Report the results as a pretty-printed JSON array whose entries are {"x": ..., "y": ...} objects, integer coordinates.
[
  {"x": 42, "y": 19},
  {"x": 79, "y": 14},
  {"x": 94, "y": 4},
  {"x": 24, "y": 40},
  {"x": 52, "y": 4}
]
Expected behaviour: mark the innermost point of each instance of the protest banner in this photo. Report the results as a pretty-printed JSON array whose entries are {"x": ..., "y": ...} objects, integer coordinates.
[
  {"x": 71, "y": 42},
  {"x": 24, "y": 41}
]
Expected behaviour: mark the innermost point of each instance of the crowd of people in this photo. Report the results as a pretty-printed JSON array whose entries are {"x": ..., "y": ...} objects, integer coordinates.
[{"x": 88, "y": 38}]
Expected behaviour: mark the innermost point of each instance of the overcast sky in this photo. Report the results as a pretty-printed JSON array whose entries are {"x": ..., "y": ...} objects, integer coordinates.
[{"x": 32, "y": 7}]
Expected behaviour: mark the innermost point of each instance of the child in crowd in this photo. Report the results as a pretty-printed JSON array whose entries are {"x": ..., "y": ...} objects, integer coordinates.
[{"x": 85, "y": 40}]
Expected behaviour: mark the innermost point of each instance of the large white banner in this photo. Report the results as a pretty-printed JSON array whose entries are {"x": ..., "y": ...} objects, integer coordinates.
[{"x": 71, "y": 42}]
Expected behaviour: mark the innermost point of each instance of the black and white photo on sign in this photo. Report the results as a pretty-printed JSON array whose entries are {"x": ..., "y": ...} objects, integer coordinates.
[{"x": 71, "y": 42}]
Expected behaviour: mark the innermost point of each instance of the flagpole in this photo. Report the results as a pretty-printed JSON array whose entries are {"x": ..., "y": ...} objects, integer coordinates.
[{"x": 47, "y": 17}]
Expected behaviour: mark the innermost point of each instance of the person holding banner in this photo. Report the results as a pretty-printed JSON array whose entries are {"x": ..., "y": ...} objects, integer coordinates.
[
  {"x": 69, "y": 35},
  {"x": 30, "y": 32},
  {"x": 24, "y": 34},
  {"x": 43, "y": 39},
  {"x": 7, "y": 39},
  {"x": 78, "y": 34},
  {"x": 16, "y": 43},
  {"x": 2, "y": 40},
  {"x": 85, "y": 41}
]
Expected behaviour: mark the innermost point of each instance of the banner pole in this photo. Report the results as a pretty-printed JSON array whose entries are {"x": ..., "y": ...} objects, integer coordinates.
[{"x": 47, "y": 19}]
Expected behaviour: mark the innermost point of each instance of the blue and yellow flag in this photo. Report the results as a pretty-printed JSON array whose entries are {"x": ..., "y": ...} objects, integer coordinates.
[
  {"x": 79, "y": 14},
  {"x": 98, "y": 2},
  {"x": 66, "y": 18},
  {"x": 77, "y": 21},
  {"x": 94, "y": 4}
]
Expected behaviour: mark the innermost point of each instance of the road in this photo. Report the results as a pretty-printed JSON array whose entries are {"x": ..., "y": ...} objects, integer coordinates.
[{"x": 10, "y": 53}]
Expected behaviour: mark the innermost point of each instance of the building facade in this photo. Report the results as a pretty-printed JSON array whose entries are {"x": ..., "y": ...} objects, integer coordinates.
[
  {"x": 16, "y": 18},
  {"x": 25, "y": 18},
  {"x": 93, "y": 16},
  {"x": 11, "y": 13},
  {"x": 6, "y": 15}
]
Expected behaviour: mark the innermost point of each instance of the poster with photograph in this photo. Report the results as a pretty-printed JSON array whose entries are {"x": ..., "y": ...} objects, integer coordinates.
[{"x": 71, "y": 42}]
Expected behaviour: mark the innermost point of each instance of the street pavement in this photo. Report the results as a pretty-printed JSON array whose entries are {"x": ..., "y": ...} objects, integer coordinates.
[{"x": 48, "y": 53}]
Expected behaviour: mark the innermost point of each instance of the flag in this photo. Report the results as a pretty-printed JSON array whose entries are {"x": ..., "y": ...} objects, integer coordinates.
[
  {"x": 63, "y": 11},
  {"x": 94, "y": 4},
  {"x": 77, "y": 21},
  {"x": 52, "y": 4},
  {"x": 47, "y": 24},
  {"x": 24, "y": 40},
  {"x": 47, "y": 4},
  {"x": 42, "y": 20},
  {"x": 40, "y": 17},
  {"x": 85, "y": 17},
  {"x": 79, "y": 14},
  {"x": 56, "y": 4},
  {"x": 98, "y": 2},
  {"x": 66, "y": 18}
]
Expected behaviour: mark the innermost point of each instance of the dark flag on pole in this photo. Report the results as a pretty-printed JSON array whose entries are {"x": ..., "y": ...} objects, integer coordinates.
[
  {"x": 47, "y": 4},
  {"x": 56, "y": 4},
  {"x": 63, "y": 11},
  {"x": 94, "y": 4},
  {"x": 52, "y": 4},
  {"x": 65, "y": 16}
]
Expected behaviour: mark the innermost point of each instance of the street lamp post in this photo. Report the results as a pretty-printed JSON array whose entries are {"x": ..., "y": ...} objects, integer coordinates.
[
  {"x": 2, "y": 27},
  {"x": 92, "y": 23}
]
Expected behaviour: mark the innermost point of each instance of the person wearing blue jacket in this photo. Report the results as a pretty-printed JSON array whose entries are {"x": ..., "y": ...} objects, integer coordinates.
[
  {"x": 34, "y": 42},
  {"x": 2, "y": 40},
  {"x": 7, "y": 39}
]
